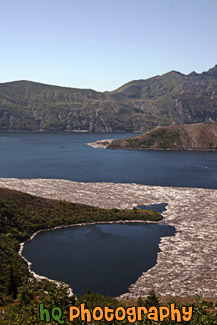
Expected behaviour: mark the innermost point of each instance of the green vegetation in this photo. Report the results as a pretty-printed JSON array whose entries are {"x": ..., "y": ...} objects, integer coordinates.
[
  {"x": 172, "y": 98},
  {"x": 160, "y": 139},
  {"x": 26, "y": 308}
]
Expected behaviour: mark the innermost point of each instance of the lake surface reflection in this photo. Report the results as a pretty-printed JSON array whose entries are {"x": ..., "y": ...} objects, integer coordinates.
[{"x": 104, "y": 258}]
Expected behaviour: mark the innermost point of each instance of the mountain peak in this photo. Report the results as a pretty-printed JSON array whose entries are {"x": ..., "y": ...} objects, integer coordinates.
[
  {"x": 193, "y": 74},
  {"x": 172, "y": 73},
  {"x": 211, "y": 72}
]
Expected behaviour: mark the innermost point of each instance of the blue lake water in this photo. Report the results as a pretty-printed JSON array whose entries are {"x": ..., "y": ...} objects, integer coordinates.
[
  {"x": 105, "y": 258},
  {"x": 66, "y": 156},
  {"x": 160, "y": 207}
]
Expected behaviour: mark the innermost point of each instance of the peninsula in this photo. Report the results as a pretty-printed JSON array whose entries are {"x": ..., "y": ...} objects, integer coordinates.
[{"x": 199, "y": 136}]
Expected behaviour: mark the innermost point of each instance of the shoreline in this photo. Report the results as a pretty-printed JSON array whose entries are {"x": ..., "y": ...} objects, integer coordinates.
[
  {"x": 101, "y": 144},
  {"x": 104, "y": 144},
  {"x": 41, "y": 277},
  {"x": 66, "y": 131}
]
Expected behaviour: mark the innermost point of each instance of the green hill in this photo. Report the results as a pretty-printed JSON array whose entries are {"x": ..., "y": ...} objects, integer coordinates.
[{"x": 140, "y": 105}]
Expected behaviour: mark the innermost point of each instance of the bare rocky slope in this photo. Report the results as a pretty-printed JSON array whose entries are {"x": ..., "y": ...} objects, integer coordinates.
[
  {"x": 199, "y": 136},
  {"x": 140, "y": 105}
]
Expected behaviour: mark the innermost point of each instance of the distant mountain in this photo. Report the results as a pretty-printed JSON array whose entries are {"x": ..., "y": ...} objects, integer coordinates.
[
  {"x": 199, "y": 136},
  {"x": 140, "y": 105}
]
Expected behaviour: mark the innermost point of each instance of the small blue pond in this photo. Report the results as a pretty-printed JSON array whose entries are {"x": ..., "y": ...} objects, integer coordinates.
[
  {"x": 105, "y": 258},
  {"x": 155, "y": 207}
]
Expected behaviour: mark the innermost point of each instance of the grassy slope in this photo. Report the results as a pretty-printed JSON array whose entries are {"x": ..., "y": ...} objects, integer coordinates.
[
  {"x": 183, "y": 137},
  {"x": 172, "y": 98}
]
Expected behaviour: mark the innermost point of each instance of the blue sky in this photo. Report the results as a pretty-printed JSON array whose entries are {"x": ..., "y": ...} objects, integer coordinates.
[{"x": 102, "y": 44}]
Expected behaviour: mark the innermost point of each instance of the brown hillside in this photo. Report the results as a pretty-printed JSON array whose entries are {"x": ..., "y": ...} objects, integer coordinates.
[{"x": 199, "y": 136}]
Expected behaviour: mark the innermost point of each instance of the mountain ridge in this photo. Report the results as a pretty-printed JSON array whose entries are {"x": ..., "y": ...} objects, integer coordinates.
[{"x": 140, "y": 105}]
